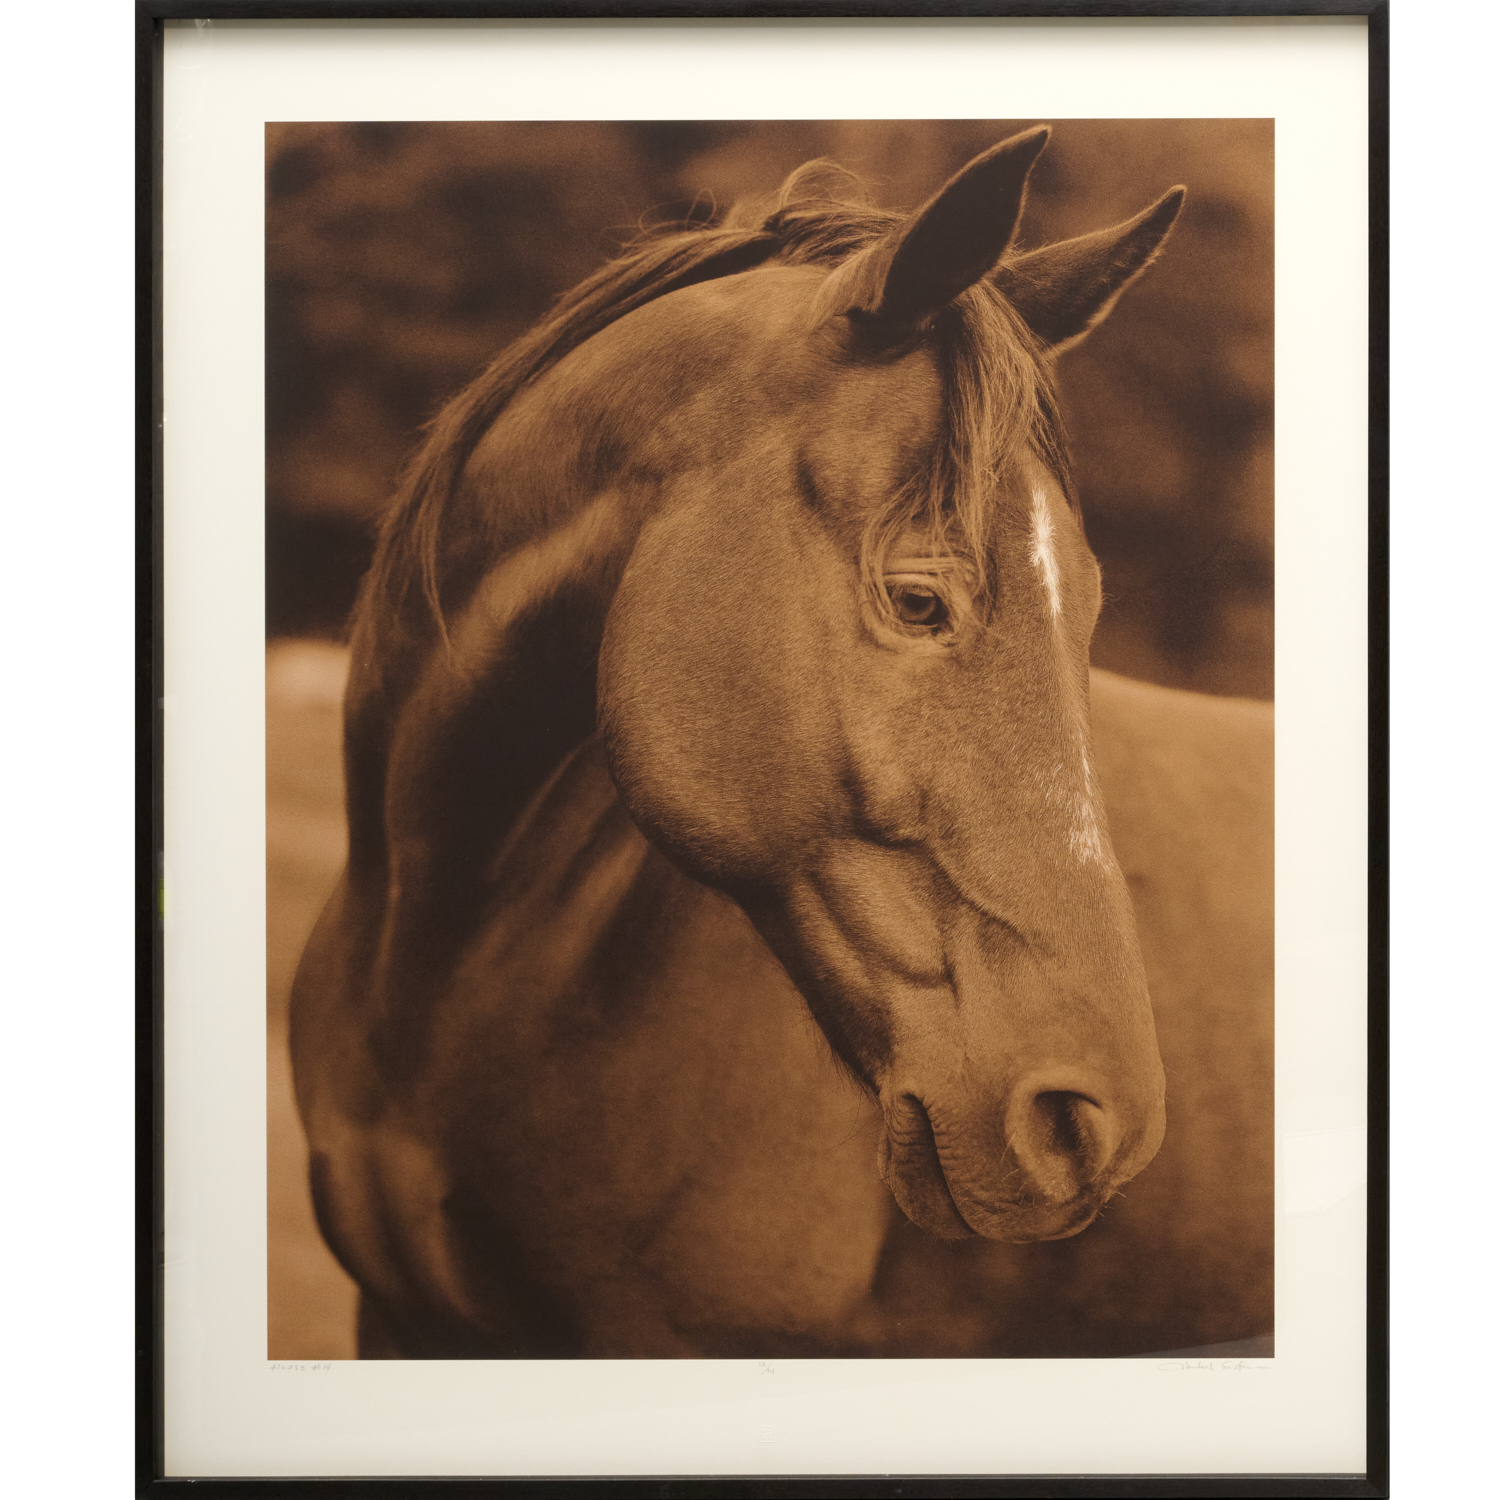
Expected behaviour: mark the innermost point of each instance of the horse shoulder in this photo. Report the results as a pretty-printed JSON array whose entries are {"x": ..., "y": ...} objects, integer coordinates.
[{"x": 616, "y": 1092}]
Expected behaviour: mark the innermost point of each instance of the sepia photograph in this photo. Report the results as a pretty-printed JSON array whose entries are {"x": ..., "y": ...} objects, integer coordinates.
[{"x": 769, "y": 743}]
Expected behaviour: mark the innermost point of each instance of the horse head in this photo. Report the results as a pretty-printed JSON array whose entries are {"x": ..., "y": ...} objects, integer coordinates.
[{"x": 844, "y": 677}]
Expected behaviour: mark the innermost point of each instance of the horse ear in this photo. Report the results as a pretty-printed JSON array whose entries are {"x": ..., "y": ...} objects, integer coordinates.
[
  {"x": 954, "y": 240},
  {"x": 1063, "y": 290}
]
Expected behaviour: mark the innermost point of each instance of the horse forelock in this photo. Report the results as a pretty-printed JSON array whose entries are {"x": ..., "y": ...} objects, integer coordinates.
[
  {"x": 1000, "y": 417},
  {"x": 1000, "y": 409}
]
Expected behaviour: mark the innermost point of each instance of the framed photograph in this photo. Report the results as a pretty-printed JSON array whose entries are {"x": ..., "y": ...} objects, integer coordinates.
[{"x": 731, "y": 910}]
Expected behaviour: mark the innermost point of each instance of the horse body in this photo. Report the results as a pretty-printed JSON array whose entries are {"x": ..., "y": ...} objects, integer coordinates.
[{"x": 732, "y": 957}]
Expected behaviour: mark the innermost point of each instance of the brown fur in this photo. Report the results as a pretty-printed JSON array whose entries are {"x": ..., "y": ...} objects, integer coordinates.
[{"x": 701, "y": 909}]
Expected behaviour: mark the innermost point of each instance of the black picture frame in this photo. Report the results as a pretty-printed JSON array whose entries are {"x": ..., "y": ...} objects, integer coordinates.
[{"x": 150, "y": 16}]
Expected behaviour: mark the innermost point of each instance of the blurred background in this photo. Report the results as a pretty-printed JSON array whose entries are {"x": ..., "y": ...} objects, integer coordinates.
[{"x": 401, "y": 257}]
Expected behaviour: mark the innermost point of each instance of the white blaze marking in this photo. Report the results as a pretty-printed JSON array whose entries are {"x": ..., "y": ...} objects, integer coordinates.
[
  {"x": 1083, "y": 836},
  {"x": 1085, "y": 842},
  {"x": 1043, "y": 558}
]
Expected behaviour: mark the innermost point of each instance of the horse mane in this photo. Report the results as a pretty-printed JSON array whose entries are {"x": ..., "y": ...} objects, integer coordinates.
[{"x": 1001, "y": 404}]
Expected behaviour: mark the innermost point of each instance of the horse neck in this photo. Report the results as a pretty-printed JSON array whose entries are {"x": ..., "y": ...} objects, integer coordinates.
[{"x": 450, "y": 734}]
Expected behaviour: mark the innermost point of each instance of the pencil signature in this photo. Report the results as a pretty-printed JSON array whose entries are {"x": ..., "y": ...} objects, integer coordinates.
[{"x": 1213, "y": 1364}]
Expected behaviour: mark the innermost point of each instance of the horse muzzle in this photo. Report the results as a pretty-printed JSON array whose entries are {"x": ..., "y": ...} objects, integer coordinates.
[{"x": 1038, "y": 1168}]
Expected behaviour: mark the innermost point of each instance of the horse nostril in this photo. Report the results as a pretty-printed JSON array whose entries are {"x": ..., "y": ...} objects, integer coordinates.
[
  {"x": 1062, "y": 1140},
  {"x": 1061, "y": 1116}
]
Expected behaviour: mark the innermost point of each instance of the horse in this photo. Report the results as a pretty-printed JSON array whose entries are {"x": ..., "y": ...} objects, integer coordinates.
[{"x": 763, "y": 934}]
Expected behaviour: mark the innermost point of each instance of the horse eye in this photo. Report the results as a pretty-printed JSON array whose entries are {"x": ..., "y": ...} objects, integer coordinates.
[{"x": 915, "y": 605}]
